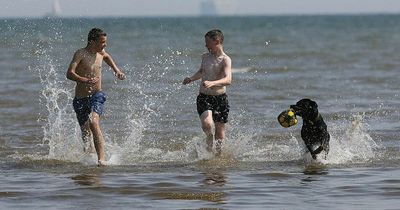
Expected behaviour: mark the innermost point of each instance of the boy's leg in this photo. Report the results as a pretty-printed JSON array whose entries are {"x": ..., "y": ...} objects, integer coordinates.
[
  {"x": 206, "y": 124},
  {"x": 88, "y": 145},
  {"x": 219, "y": 136},
  {"x": 97, "y": 137}
]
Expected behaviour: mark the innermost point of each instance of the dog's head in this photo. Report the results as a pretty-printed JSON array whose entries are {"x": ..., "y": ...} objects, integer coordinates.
[{"x": 306, "y": 108}]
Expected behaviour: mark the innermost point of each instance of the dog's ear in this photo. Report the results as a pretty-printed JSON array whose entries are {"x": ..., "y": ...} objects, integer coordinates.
[
  {"x": 314, "y": 109},
  {"x": 303, "y": 101},
  {"x": 307, "y": 103}
]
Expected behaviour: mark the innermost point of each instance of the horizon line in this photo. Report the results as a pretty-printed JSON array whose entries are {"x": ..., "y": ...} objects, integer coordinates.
[{"x": 205, "y": 16}]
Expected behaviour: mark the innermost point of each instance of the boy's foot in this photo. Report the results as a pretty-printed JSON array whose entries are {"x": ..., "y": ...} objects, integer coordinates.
[
  {"x": 101, "y": 163},
  {"x": 218, "y": 147}
]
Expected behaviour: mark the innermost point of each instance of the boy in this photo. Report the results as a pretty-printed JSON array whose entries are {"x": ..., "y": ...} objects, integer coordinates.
[
  {"x": 85, "y": 70},
  {"x": 212, "y": 102}
]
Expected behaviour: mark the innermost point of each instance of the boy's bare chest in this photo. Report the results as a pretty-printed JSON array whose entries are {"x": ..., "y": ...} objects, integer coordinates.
[
  {"x": 212, "y": 66},
  {"x": 91, "y": 64}
]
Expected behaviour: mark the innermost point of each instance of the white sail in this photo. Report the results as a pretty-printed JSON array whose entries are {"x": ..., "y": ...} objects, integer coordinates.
[
  {"x": 56, "y": 8},
  {"x": 208, "y": 7},
  {"x": 217, "y": 7}
]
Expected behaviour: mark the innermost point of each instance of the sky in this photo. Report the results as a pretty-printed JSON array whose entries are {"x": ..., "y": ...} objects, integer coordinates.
[{"x": 146, "y": 8}]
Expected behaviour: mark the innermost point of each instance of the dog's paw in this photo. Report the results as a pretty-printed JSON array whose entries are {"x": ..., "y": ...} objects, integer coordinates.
[
  {"x": 314, "y": 156},
  {"x": 318, "y": 150}
]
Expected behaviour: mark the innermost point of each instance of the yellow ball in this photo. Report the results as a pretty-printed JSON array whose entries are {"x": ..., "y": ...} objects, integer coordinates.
[{"x": 287, "y": 118}]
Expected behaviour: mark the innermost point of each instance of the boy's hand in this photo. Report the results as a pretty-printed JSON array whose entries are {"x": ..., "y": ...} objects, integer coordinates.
[
  {"x": 208, "y": 84},
  {"x": 92, "y": 80},
  {"x": 120, "y": 75},
  {"x": 186, "y": 81}
]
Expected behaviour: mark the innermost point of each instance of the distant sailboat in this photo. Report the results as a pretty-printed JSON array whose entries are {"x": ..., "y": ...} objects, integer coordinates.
[
  {"x": 208, "y": 8},
  {"x": 217, "y": 7},
  {"x": 56, "y": 10}
]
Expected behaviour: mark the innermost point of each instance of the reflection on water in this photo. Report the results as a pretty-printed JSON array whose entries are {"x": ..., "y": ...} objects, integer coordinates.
[
  {"x": 214, "y": 178},
  {"x": 205, "y": 196},
  {"x": 316, "y": 169},
  {"x": 87, "y": 180},
  {"x": 206, "y": 186},
  {"x": 11, "y": 194}
]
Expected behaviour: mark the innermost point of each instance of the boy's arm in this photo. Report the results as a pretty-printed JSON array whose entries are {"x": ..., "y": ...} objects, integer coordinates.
[
  {"x": 193, "y": 78},
  {"x": 108, "y": 59},
  {"x": 196, "y": 76},
  {"x": 71, "y": 72},
  {"x": 227, "y": 75}
]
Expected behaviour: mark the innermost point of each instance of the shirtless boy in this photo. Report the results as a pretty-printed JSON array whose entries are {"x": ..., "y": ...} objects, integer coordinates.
[
  {"x": 85, "y": 70},
  {"x": 212, "y": 102}
]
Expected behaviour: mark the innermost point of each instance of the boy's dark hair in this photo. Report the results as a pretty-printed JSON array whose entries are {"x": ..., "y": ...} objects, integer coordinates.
[
  {"x": 215, "y": 34},
  {"x": 95, "y": 34}
]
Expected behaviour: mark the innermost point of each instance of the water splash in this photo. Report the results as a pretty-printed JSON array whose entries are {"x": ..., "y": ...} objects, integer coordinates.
[
  {"x": 60, "y": 132},
  {"x": 146, "y": 105},
  {"x": 352, "y": 144}
]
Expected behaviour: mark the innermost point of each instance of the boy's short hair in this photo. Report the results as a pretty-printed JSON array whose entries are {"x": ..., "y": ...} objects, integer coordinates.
[
  {"x": 215, "y": 34},
  {"x": 95, "y": 34}
]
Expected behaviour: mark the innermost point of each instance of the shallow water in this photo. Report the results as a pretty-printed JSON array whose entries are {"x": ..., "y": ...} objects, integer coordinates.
[{"x": 154, "y": 144}]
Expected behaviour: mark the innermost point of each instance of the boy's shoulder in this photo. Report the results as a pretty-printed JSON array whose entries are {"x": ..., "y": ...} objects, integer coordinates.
[
  {"x": 226, "y": 56},
  {"x": 103, "y": 53},
  {"x": 80, "y": 52},
  {"x": 206, "y": 54}
]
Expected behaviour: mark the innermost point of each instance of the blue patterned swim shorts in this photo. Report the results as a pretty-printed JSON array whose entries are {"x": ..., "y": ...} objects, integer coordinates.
[{"x": 84, "y": 106}]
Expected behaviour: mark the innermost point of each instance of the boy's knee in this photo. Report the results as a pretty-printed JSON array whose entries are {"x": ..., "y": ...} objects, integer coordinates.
[
  {"x": 220, "y": 136},
  {"x": 94, "y": 123},
  {"x": 220, "y": 133},
  {"x": 94, "y": 119},
  {"x": 206, "y": 126}
]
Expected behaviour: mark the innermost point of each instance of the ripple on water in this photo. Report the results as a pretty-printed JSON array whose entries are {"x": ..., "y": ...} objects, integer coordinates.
[{"x": 204, "y": 196}]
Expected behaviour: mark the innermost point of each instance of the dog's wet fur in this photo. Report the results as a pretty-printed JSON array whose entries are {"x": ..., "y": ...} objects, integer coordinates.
[{"x": 314, "y": 131}]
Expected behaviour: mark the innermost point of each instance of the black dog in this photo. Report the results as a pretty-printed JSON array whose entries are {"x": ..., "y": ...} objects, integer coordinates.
[{"x": 314, "y": 131}]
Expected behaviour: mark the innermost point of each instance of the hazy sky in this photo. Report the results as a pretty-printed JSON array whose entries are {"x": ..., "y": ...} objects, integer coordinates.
[{"x": 84, "y": 8}]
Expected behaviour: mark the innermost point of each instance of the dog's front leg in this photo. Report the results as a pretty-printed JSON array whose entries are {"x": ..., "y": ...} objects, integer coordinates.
[
  {"x": 313, "y": 154},
  {"x": 318, "y": 150}
]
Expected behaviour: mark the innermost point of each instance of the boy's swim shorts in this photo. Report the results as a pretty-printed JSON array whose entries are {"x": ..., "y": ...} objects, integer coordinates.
[
  {"x": 217, "y": 104},
  {"x": 84, "y": 106}
]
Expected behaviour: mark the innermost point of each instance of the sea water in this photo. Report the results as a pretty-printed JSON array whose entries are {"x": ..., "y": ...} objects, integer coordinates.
[{"x": 154, "y": 143}]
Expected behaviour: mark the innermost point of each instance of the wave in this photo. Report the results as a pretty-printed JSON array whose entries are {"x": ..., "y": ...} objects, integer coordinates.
[{"x": 242, "y": 70}]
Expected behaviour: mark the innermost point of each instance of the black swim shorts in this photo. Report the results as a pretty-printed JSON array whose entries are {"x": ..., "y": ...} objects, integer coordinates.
[
  {"x": 217, "y": 104},
  {"x": 84, "y": 106}
]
